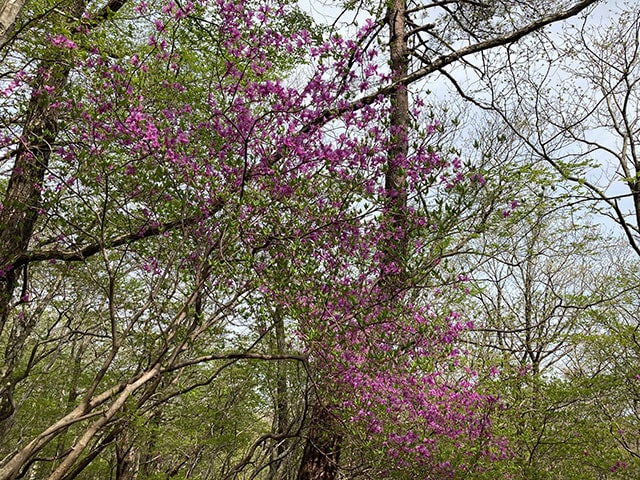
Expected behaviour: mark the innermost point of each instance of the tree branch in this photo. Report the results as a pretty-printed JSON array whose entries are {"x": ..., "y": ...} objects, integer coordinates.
[
  {"x": 237, "y": 356},
  {"x": 446, "y": 60},
  {"x": 91, "y": 249}
]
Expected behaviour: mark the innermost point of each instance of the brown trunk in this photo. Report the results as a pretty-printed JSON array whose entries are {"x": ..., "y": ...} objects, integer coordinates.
[
  {"x": 22, "y": 202},
  {"x": 322, "y": 450},
  {"x": 281, "y": 418},
  {"x": 18, "y": 217},
  {"x": 127, "y": 456},
  {"x": 395, "y": 249},
  {"x": 148, "y": 459},
  {"x": 321, "y": 455},
  {"x": 102, "y": 445},
  {"x": 9, "y": 11}
]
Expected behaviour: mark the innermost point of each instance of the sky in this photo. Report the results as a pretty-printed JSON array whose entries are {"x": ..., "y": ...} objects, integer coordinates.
[{"x": 563, "y": 88}]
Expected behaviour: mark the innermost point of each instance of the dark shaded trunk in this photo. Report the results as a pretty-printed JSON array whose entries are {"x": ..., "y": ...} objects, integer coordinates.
[
  {"x": 100, "y": 447},
  {"x": 321, "y": 456},
  {"x": 21, "y": 208},
  {"x": 127, "y": 455},
  {"x": 148, "y": 459},
  {"x": 22, "y": 203}
]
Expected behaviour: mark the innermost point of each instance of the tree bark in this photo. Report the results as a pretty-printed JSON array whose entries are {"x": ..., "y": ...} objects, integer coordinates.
[
  {"x": 127, "y": 455},
  {"x": 320, "y": 460},
  {"x": 394, "y": 248},
  {"x": 22, "y": 204},
  {"x": 321, "y": 456},
  {"x": 9, "y": 11},
  {"x": 281, "y": 418},
  {"x": 22, "y": 199}
]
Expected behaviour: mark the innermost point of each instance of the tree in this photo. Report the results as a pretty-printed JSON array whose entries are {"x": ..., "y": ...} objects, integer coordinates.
[
  {"x": 193, "y": 209},
  {"x": 538, "y": 299},
  {"x": 541, "y": 288},
  {"x": 574, "y": 106},
  {"x": 430, "y": 54},
  {"x": 87, "y": 203}
]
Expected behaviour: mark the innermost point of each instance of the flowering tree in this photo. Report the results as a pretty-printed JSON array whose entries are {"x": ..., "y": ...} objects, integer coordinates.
[
  {"x": 179, "y": 196},
  {"x": 415, "y": 50}
]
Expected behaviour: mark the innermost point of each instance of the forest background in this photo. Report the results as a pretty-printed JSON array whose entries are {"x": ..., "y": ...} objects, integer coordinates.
[{"x": 238, "y": 241}]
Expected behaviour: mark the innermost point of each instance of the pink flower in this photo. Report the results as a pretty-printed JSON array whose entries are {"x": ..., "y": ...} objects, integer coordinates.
[{"x": 62, "y": 41}]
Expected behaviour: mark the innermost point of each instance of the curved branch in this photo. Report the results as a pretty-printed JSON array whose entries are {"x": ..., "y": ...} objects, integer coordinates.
[{"x": 91, "y": 249}]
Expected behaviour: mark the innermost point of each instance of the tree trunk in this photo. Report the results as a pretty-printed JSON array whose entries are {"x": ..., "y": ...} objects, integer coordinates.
[
  {"x": 22, "y": 201},
  {"x": 394, "y": 249},
  {"x": 281, "y": 418},
  {"x": 18, "y": 217},
  {"x": 321, "y": 456},
  {"x": 127, "y": 455},
  {"x": 9, "y": 11},
  {"x": 322, "y": 450}
]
